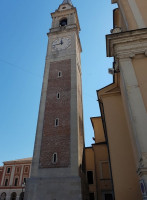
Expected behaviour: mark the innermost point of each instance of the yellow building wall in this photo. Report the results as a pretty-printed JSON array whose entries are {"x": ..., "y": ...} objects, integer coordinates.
[
  {"x": 103, "y": 177},
  {"x": 126, "y": 183},
  {"x": 97, "y": 160},
  {"x": 142, "y": 6},
  {"x": 98, "y": 129},
  {"x": 140, "y": 67},
  {"x": 127, "y": 14},
  {"x": 90, "y": 166}
]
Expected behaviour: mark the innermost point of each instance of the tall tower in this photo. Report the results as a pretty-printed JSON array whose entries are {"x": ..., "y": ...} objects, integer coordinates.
[{"x": 59, "y": 144}]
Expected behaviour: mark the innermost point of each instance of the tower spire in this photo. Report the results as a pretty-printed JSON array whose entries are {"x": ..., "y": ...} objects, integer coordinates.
[{"x": 67, "y": 1}]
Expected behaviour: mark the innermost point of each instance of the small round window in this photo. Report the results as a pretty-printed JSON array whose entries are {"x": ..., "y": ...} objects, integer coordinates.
[{"x": 63, "y": 22}]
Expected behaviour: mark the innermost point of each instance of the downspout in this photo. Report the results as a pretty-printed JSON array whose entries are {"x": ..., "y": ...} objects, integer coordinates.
[{"x": 107, "y": 143}]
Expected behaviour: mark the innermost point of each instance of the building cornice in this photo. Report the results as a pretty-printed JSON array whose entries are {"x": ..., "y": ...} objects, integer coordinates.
[
  {"x": 110, "y": 90},
  {"x": 127, "y": 44}
]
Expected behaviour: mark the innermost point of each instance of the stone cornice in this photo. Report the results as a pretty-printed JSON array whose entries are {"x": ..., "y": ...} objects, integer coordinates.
[{"x": 127, "y": 44}]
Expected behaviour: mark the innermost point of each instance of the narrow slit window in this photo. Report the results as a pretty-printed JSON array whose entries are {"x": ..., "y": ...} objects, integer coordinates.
[
  {"x": 58, "y": 95},
  {"x": 59, "y": 74},
  {"x": 57, "y": 122},
  {"x": 54, "y": 159}
]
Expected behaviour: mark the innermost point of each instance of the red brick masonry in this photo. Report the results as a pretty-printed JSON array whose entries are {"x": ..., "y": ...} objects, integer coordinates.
[{"x": 57, "y": 139}]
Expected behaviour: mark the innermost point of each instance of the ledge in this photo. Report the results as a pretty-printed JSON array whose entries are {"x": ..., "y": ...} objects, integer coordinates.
[{"x": 127, "y": 43}]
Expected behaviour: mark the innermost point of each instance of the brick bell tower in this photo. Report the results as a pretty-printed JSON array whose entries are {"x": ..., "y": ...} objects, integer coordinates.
[{"x": 59, "y": 145}]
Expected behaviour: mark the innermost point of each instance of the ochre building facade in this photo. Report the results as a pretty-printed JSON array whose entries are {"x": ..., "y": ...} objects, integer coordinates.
[
  {"x": 13, "y": 177},
  {"x": 123, "y": 103}
]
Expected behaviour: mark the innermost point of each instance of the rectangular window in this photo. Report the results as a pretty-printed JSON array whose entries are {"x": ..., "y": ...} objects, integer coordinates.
[
  {"x": 8, "y": 170},
  {"x": 57, "y": 122},
  {"x": 90, "y": 177},
  {"x": 6, "y": 182},
  {"x": 59, "y": 74},
  {"x": 105, "y": 170},
  {"x": 17, "y": 169},
  {"x": 91, "y": 196},
  {"x": 108, "y": 197}
]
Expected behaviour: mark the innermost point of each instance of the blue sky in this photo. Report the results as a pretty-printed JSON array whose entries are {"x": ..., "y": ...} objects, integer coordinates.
[{"x": 23, "y": 44}]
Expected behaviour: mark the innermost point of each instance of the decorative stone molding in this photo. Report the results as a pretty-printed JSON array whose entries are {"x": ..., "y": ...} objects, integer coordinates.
[
  {"x": 125, "y": 56},
  {"x": 127, "y": 44},
  {"x": 116, "y": 30}
]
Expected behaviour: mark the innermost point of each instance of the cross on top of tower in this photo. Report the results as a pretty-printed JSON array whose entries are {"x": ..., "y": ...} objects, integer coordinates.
[{"x": 67, "y": 1}]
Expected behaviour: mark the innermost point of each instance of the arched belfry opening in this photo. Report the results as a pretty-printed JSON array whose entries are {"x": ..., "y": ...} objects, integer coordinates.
[{"x": 63, "y": 22}]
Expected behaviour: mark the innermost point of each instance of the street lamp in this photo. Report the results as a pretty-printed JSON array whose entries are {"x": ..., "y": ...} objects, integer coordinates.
[{"x": 23, "y": 187}]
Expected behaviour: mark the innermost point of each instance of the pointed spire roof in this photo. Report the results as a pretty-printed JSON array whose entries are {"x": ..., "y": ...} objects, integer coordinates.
[{"x": 67, "y": 1}]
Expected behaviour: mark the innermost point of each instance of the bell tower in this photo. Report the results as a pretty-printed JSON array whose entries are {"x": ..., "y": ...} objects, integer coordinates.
[{"x": 59, "y": 145}]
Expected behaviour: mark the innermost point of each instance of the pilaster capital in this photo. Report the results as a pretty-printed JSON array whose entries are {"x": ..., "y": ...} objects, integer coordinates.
[{"x": 125, "y": 56}]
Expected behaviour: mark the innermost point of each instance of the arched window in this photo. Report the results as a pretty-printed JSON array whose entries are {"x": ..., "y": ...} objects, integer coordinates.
[
  {"x": 6, "y": 182},
  {"x": 16, "y": 182},
  {"x": 21, "y": 196},
  {"x": 13, "y": 196},
  {"x": 3, "y": 196},
  {"x": 63, "y": 22}
]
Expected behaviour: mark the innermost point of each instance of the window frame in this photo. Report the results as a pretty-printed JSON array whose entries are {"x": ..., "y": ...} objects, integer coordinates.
[
  {"x": 101, "y": 169},
  {"x": 107, "y": 192}
]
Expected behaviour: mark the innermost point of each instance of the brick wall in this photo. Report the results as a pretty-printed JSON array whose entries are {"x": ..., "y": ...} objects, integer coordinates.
[{"x": 57, "y": 139}]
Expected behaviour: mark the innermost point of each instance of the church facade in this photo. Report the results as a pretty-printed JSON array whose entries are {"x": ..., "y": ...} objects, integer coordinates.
[{"x": 123, "y": 103}]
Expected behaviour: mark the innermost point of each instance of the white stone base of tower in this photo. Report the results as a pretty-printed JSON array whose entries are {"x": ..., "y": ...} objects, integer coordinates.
[{"x": 54, "y": 189}]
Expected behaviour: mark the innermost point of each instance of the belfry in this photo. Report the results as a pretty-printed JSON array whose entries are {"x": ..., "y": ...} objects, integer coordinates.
[{"x": 58, "y": 163}]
